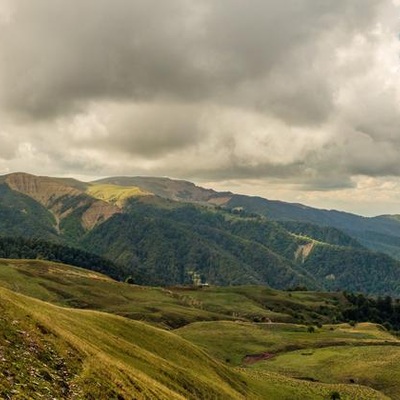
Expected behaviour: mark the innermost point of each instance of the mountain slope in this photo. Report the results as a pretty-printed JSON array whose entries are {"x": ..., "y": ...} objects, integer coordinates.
[
  {"x": 165, "y": 243},
  {"x": 20, "y": 215},
  {"x": 380, "y": 233},
  {"x": 62, "y": 199},
  {"x": 148, "y": 229},
  {"x": 354, "y": 270},
  {"x": 164, "y": 250}
]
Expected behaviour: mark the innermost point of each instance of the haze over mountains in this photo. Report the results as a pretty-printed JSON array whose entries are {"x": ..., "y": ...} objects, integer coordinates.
[{"x": 160, "y": 231}]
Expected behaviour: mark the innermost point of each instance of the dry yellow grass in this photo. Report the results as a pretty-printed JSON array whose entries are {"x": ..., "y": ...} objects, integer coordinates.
[{"x": 116, "y": 195}]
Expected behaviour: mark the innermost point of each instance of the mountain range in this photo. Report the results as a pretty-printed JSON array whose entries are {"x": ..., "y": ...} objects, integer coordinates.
[{"x": 159, "y": 231}]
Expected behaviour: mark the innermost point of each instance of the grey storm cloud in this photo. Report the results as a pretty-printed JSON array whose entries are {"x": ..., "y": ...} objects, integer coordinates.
[
  {"x": 57, "y": 55},
  {"x": 147, "y": 130},
  {"x": 303, "y": 90}
]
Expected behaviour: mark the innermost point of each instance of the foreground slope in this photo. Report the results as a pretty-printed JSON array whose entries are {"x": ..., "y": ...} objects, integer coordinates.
[
  {"x": 47, "y": 351},
  {"x": 50, "y": 352},
  {"x": 105, "y": 356}
]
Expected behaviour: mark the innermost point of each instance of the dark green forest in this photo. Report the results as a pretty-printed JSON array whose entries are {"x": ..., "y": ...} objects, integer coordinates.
[
  {"x": 20, "y": 248},
  {"x": 381, "y": 310}
]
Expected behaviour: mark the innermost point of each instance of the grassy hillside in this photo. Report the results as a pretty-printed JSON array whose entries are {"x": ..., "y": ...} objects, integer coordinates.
[
  {"x": 374, "y": 366},
  {"x": 104, "y": 356},
  {"x": 169, "y": 307},
  {"x": 75, "y": 287},
  {"x": 173, "y": 189},
  {"x": 90, "y": 355},
  {"x": 178, "y": 306},
  {"x": 233, "y": 341},
  {"x": 117, "y": 195},
  {"x": 48, "y": 351}
]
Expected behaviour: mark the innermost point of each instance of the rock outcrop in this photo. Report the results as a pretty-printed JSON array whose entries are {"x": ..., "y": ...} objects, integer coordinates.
[{"x": 61, "y": 199}]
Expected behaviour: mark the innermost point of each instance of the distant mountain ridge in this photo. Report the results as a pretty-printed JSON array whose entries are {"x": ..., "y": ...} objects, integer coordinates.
[
  {"x": 381, "y": 233},
  {"x": 164, "y": 232}
]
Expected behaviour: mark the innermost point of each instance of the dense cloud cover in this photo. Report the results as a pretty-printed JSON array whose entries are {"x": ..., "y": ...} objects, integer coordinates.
[{"x": 276, "y": 97}]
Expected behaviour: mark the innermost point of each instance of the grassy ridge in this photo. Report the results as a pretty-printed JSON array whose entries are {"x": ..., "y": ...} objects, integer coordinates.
[
  {"x": 79, "y": 288},
  {"x": 115, "y": 194},
  {"x": 171, "y": 307},
  {"x": 119, "y": 356}
]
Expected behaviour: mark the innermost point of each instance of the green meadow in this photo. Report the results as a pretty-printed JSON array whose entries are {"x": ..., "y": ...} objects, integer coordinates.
[
  {"x": 374, "y": 366},
  {"x": 232, "y": 341},
  {"x": 71, "y": 333}
]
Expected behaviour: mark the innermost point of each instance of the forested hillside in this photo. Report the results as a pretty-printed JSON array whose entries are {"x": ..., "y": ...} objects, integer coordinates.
[
  {"x": 159, "y": 239},
  {"x": 380, "y": 233},
  {"x": 20, "y": 248}
]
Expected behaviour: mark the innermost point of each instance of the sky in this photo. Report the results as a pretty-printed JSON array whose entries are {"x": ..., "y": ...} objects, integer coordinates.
[{"x": 297, "y": 100}]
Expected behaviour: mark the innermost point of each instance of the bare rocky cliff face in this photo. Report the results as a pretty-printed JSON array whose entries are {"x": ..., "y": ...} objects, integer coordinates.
[
  {"x": 98, "y": 212},
  {"x": 61, "y": 199}
]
